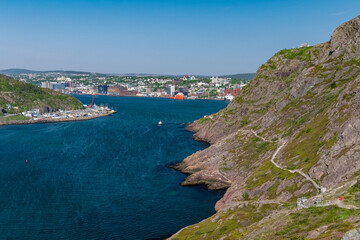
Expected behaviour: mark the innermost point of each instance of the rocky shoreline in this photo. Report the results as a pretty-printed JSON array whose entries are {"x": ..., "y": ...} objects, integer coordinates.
[
  {"x": 196, "y": 166},
  {"x": 26, "y": 122},
  {"x": 211, "y": 180}
]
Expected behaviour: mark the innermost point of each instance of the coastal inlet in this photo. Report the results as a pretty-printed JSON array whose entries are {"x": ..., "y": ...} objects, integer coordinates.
[{"x": 105, "y": 178}]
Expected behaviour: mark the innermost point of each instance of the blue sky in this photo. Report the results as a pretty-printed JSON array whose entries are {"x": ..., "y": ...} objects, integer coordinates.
[{"x": 166, "y": 37}]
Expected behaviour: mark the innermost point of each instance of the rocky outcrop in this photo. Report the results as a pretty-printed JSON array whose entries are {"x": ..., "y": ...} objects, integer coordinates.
[
  {"x": 305, "y": 98},
  {"x": 352, "y": 235}
]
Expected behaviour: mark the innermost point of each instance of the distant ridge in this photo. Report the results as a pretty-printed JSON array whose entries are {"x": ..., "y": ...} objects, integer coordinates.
[
  {"x": 16, "y": 70},
  {"x": 27, "y": 71},
  {"x": 242, "y": 76}
]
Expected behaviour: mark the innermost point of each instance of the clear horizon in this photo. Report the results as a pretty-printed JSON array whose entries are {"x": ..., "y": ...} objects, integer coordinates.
[{"x": 161, "y": 37}]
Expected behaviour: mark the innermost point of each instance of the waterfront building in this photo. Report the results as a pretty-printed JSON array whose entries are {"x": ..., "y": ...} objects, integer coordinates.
[
  {"x": 149, "y": 90},
  {"x": 102, "y": 89},
  {"x": 69, "y": 83},
  {"x": 170, "y": 90},
  {"x": 58, "y": 86},
  {"x": 179, "y": 96},
  {"x": 120, "y": 91},
  {"x": 184, "y": 90},
  {"x": 233, "y": 92},
  {"x": 229, "y": 97}
]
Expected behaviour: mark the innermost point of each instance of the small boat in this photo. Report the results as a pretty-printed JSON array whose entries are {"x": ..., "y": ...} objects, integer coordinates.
[{"x": 160, "y": 123}]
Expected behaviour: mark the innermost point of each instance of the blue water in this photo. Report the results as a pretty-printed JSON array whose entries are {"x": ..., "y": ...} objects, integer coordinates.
[{"x": 105, "y": 178}]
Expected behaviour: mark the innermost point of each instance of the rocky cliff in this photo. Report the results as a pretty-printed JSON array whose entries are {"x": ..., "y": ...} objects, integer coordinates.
[{"x": 292, "y": 137}]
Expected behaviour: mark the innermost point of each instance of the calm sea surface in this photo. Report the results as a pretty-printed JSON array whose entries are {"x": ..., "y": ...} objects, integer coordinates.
[{"x": 105, "y": 178}]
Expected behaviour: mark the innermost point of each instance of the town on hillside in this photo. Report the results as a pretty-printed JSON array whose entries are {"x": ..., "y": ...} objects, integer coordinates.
[{"x": 177, "y": 87}]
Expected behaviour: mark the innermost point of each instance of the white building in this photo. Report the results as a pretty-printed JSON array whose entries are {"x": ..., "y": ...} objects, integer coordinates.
[
  {"x": 217, "y": 80},
  {"x": 304, "y": 45},
  {"x": 45, "y": 85},
  {"x": 170, "y": 90}
]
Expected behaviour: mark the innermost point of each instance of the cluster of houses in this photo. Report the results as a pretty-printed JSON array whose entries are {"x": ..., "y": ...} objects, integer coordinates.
[
  {"x": 145, "y": 86},
  {"x": 218, "y": 88}
]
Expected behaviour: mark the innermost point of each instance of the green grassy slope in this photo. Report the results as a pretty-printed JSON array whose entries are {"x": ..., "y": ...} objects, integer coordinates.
[{"x": 25, "y": 96}]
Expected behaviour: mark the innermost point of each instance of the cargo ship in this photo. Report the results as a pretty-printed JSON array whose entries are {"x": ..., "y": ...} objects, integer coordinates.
[{"x": 179, "y": 96}]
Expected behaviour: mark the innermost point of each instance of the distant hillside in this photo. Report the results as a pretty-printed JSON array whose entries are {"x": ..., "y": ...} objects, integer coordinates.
[
  {"x": 16, "y": 71},
  {"x": 26, "y": 71},
  {"x": 242, "y": 76},
  {"x": 26, "y": 96}
]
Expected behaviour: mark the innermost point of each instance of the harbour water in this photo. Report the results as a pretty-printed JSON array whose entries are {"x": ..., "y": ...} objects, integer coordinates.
[{"x": 104, "y": 178}]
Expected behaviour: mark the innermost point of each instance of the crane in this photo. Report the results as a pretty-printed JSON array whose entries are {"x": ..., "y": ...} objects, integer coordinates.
[{"x": 92, "y": 101}]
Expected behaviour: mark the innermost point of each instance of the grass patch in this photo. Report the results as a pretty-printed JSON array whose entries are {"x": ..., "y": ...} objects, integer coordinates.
[
  {"x": 13, "y": 118},
  {"x": 331, "y": 142},
  {"x": 256, "y": 146},
  {"x": 203, "y": 120},
  {"x": 349, "y": 96},
  {"x": 237, "y": 223},
  {"x": 303, "y": 53},
  {"x": 229, "y": 223},
  {"x": 267, "y": 172},
  {"x": 352, "y": 196},
  {"x": 300, "y": 223},
  {"x": 333, "y": 85},
  {"x": 302, "y": 152},
  {"x": 352, "y": 62}
]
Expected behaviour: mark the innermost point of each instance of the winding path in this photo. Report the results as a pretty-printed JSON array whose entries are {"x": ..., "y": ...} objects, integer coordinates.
[
  {"x": 293, "y": 171},
  {"x": 259, "y": 136},
  {"x": 285, "y": 169},
  {"x": 336, "y": 202},
  {"x": 322, "y": 190}
]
